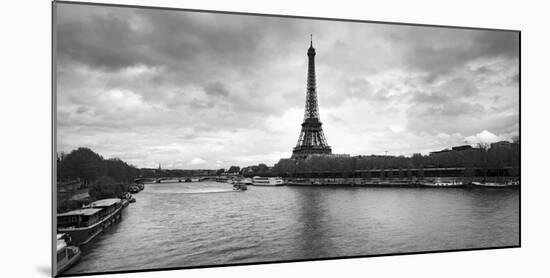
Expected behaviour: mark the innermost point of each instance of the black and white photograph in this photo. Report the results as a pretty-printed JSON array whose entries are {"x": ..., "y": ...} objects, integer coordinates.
[{"x": 198, "y": 138}]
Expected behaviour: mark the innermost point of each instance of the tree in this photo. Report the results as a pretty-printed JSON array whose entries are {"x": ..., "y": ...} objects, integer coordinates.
[
  {"x": 86, "y": 165},
  {"x": 60, "y": 157},
  {"x": 106, "y": 187},
  {"x": 83, "y": 163},
  {"x": 285, "y": 167},
  {"x": 262, "y": 168},
  {"x": 116, "y": 169},
  {"x": 120, "y": 171},
  {"x": 234, "y": 170}
]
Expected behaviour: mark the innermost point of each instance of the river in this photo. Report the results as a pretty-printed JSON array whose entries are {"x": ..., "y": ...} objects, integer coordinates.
[{"x": 206, "y": 223}]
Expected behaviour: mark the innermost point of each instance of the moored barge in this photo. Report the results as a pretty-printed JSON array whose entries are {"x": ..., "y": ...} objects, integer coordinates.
[
  {"x": 85, "y": 224},
  {"x": 67, "y": 254},
  {"x": 267, "y": 181}
]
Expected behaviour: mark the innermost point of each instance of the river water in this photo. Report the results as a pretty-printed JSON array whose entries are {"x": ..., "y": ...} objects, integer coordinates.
[{"x": 206, "y": 223}]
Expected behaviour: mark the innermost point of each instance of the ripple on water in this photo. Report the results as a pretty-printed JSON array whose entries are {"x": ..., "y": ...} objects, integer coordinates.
[{"x": 206, "y": 223}]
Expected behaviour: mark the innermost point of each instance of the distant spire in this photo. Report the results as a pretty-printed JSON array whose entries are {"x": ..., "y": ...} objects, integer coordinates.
[{"x": 311, "y": 40}]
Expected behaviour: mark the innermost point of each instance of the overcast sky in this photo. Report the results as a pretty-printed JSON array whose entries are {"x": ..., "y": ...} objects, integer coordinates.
[{"x": 199, "y": 90}]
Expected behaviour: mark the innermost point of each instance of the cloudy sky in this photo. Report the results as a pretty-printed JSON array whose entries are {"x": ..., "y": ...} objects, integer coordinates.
[{"x": 199, "y": 90}]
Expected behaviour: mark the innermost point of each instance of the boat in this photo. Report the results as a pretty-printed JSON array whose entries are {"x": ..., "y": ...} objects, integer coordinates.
[
  {"x": 489, "y": 184},
  {"x": 127, "y": 199},
  {"x": 133, "y": 189},
  {"x": 299, "y": 182},
  {"x": 239, "y": 186},
  {"x": 398, "y": 183},
  {"x": 267, "y": 181},
  {"x": 86, "y": 223},
  {"x": 441, "y": 183},
  {"x": 512, "y": 183},
  {"x": 140, "y": 186},
  {"x": 67, "y": 254},
  {"x": 247, "y": 181}
]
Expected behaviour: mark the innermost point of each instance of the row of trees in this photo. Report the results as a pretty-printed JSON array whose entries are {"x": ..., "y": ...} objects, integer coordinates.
[
  {"x": 85, "y": 165},
  {"x": 256, "y": 170},
  {"x": 480, "y": 158}
]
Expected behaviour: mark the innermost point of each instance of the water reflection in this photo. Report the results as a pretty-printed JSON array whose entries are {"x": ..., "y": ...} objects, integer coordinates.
[{"x": 313, "y": 238}]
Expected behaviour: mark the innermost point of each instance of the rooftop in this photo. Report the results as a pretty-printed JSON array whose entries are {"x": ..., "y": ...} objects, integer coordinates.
[
  {"x": 84, "y": 211},
  {"x": 105, "y": 202}
]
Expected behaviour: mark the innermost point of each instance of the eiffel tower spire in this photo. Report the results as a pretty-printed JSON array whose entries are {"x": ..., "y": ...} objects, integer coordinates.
[{"x": 311, "y": 139}]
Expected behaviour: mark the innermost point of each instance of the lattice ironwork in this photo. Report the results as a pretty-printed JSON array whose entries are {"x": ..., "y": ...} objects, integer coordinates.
[
  {"x": 312, "y": 139},
  {"x": 312, "y": 108}
]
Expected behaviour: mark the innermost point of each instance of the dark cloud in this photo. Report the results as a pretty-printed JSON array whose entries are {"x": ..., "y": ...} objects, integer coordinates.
[
  {"x": 82, "y": 110},
  {"x": 439, "y": 51},
  {"x": 483, "y": 70},
  {"x": 445, "y": 93},
  {"x": 102, "y": 41},
  {"x": 216, "y": 89}
]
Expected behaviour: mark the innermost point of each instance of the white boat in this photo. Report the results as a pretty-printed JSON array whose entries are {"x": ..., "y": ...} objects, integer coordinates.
[
  {"x": 267, "y": 181},
  {"x": 490, "y": 184},
  {"x": 442, "y": 183},
  {"x": 512, "y": 183},
  {"x": 67, "y": 255},
  {"x": 246, "y": 181}
]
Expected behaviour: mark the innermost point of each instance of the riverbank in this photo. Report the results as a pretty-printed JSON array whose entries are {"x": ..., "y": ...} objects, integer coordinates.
[{"x": 414, "y": 182}]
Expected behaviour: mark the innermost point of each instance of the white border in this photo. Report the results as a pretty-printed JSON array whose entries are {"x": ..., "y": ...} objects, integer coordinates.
[{"x": 26, "y": 137}]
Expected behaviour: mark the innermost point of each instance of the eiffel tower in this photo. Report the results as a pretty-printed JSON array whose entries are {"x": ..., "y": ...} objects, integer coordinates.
[{"x": 311, "y": 140}]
